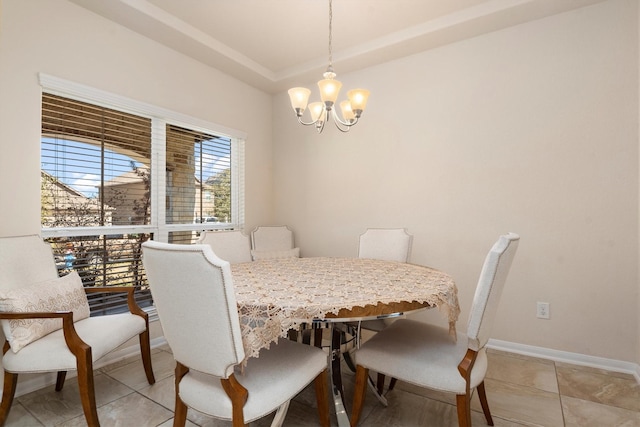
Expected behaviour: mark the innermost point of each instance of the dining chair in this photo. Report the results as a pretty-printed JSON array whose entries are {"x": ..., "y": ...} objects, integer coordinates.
[
  {"x": 269, "y": 242},
  {"x": 274, "y": 242},
  {"x": 429, "y": 356},
  {"x": 195, "y": 298},
  {"x": 46, "y": 324},
  {"x": 232, "y": 246},
  {"x": 386, "y": 244}
]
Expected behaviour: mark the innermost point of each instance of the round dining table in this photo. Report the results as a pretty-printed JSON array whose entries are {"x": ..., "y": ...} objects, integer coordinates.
[{"x": 275, "y": 296}]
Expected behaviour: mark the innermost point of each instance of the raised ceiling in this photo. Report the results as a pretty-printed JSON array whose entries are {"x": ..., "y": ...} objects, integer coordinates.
[{"x": 276, "y": 44}]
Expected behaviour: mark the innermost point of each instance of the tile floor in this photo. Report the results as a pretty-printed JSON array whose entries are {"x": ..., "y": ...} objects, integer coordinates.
[{"x": 522, "y": 391}]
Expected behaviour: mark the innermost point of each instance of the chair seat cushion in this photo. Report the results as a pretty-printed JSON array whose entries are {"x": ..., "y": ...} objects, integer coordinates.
[
  {"x": 421, "y": 354},
  {"x": 59, "y": 294},
  {"x": 273, "y": 378},
  {"x": 50, "y": 353}
]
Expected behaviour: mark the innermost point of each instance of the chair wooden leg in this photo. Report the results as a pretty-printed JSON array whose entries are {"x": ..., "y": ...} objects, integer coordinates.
[
  {"x": 8, "y": 391},
  {"x": 180, "y": 413},
  {"x": 484, "y": 403},
  {"x": 238, "y": 395},
  {"x": 306, "y": 336},
  {"x": 463, "y": 403},
  {"x": 317, "y": 338},
  {"x": 62, "y": 375},
  {"x": 87, "y": 388},
  {"x": 362, "y": 375},
  {"x": 145, "y": 350},
  {"x": 392, "y": 383},
  {"x": 322, "y": 392},
  {"x": 380, "y": 384}
]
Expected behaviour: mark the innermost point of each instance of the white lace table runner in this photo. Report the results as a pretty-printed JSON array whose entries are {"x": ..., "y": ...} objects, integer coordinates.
[{"x": 276, "y": 295}]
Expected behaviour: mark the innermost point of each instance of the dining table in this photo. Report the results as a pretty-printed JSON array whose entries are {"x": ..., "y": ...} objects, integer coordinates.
[{"x": 276, "y": 296}]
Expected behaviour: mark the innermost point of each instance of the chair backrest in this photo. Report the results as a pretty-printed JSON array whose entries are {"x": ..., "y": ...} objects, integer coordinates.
[
  {"x": 272, "y": 238},
  {"x": 193, "y": 292},
  {"x": 387, "y": 244},
  {"x": 25, "y": 260},
  {"x": 490, "y": 285},
  {"x": 232, "y": 246}
]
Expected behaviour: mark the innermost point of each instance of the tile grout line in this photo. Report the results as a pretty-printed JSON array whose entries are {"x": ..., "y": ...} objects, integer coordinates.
[{"x": 555, "y": 370}]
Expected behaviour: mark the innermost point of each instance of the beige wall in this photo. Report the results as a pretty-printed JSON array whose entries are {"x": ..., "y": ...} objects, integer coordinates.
[
  {"x": 58, "y": 38},
  {"x": 638, "y": 93},
  {"x": 533, "y": 129}
]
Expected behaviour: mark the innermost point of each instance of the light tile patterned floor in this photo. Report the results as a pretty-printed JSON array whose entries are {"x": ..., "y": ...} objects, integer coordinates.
[{"x": 522, "y": 391}]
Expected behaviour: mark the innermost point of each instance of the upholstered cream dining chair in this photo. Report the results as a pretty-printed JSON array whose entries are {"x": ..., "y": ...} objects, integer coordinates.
[
  {"x": 273, "y": 241},
  {"x": 428, "y": 356},
  {"x": 46, "y": 323},
  {"x": 387, "y": 244},
  {"x": 232, "y": 246},
  {"x": 195, "y": 298}
]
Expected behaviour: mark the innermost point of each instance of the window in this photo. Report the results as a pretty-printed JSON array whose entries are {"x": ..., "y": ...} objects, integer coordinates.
[
  {"x": 199, "y": 190},
  {"x": 115, "y": 173}
]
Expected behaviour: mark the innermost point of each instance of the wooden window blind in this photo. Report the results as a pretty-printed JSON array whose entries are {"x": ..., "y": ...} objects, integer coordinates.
[
  {"x": 199, "y": 170},
  {"x": 96, "y": 174}
]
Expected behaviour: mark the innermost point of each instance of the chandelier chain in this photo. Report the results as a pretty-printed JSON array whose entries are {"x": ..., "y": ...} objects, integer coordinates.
[{"x": 330, "y": 32}]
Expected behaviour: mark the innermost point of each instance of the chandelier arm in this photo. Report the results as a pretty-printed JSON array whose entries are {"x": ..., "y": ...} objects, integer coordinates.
[
  {"x": 342, "y": 126},
  {"x": 307, "y": 123},
  {"x": 323, "y": 115},
  {"x": 342, "y": 129},
  {"x": 337, "y": 119}
]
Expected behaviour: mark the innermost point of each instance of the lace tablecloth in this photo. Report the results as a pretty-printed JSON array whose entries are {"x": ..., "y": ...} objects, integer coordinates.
[{"x": 276, "y": 295}]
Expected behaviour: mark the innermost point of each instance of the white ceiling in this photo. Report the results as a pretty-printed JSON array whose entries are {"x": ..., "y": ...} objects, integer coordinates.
[{"x": 276, "y": 44}]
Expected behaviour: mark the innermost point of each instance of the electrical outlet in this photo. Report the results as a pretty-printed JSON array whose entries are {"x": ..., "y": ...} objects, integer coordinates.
[{"x": 543, "y": 310}]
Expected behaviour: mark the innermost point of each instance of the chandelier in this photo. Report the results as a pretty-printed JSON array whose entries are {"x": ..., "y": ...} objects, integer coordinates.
[{"x": 351, "y": 108}]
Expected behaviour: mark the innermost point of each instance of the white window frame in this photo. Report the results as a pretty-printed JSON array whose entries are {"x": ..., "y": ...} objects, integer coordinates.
[{"x": 160, "y": 117}]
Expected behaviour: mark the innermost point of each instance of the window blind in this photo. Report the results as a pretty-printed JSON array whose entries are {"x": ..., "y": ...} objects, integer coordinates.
[
  {"x": 199, "y": 187},
  {"x": 95, "y": 174}
]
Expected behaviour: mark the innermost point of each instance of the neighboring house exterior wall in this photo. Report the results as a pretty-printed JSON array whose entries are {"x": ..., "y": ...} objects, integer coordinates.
[
  {"x": 128, "y": 200},
  {"x": 128, "y": 195},
  {"x": 62, "y": 206},
  {"x": 208, "y": 197}
]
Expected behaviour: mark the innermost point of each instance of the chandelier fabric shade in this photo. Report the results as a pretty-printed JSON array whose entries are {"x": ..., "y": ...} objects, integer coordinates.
[{"x": 320, "y": 112}]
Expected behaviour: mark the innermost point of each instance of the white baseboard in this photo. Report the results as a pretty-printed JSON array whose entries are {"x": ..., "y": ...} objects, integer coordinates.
[
  {"x": 567, "y": 357},
  {"x": 32, "y": 382}
]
